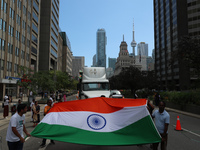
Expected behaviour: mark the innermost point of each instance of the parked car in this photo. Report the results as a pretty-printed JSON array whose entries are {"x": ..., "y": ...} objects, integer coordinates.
[{"x": 115, "y": 94}]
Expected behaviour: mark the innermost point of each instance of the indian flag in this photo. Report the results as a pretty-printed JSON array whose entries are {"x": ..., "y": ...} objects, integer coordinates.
[{"x": 99, "y": 121}]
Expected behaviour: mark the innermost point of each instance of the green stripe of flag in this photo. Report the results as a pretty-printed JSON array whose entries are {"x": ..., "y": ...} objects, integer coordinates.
[{"x": 140, "y": 132}]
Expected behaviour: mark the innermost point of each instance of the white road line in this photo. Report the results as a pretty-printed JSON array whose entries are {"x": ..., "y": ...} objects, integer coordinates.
[{"x": 189, "y": 131}]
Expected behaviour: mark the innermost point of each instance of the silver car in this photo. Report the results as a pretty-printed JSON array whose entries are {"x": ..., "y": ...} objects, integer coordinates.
[{"x": 115, "y": 94}]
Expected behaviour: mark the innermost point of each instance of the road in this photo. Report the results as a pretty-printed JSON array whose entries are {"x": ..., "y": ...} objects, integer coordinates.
[{"x": 188, "y": 139}]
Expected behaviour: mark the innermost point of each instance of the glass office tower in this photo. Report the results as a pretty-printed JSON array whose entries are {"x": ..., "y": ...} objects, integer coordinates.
[
  {"x": 170, "y": 24},
  {"x": 101, "y": 48}
]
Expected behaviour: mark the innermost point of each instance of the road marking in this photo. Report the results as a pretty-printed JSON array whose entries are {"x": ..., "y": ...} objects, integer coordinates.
[{"x": 189, "y": 131}]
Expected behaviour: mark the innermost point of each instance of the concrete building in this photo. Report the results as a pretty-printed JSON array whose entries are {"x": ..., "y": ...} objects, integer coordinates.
[
  {"x": 19, "y": 41},
  {"x": 173, "y": 19},
  {"x": 124, "y": 59},
  {"x": 141, "y": 60},
  {"x": 66, "y": 54},
  {"x": 78, "y": 63},
  {"x": 101, "y": 48},
  {"x": 49, "y": 34}
]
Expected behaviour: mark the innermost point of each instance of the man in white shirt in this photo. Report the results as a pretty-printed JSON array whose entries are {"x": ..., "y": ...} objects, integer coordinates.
[
  {"x": 15, "y": 137},
  {"x": 31, "y": 93},
  {"x": 31, "y": 105}
]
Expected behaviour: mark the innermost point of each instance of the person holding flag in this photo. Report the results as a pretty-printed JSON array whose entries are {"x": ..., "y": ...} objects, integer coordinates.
[
  {"x": 15, "y": 137},
  {"x": 46, "y": 110}
]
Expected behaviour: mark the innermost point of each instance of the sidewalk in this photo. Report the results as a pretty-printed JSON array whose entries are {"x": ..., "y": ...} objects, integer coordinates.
[{"x": 4, "y": 121}]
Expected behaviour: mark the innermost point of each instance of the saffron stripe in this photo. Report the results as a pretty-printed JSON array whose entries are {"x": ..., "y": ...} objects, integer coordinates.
[{"x": 98, "y": 104}]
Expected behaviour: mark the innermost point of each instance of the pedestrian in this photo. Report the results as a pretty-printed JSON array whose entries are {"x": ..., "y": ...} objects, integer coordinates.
[
  {"x": 6, "y": 106},
  {"x": 42, "y": 94},
  {"x": 38, "y": 113},
  {"x": 21, "y": 95},
  {"x": 19, "y": 101},
  {"x": 150, "y": 107},
  {"x": 65, "y": 98},
  {"x": 35, "y": 114},
  {"x": 31, "y": 93},
  {"x": 46, "y": 110},
  {"x": 157, "y": 98},
  {"x": 31, "y": 105},
  {"x": 13, "y": 109},
  {"x": 15, "y": 137},
  {"x": 162, "y": 120}
]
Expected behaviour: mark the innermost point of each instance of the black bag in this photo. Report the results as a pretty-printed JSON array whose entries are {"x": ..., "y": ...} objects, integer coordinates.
[{"x": 2, "y": 105}]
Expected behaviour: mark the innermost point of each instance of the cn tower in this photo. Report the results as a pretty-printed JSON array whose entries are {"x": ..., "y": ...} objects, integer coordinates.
[{"x": 133, "y": 43}]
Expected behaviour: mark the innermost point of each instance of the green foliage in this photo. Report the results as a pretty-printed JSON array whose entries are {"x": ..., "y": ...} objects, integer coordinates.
[
  {"x": 132, "y": 79},
  {"x": 187, "y": 97},
  {"x": 45, "y": 80}
]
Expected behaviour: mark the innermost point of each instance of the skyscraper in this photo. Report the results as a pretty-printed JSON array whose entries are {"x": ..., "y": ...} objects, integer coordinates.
[
  {"x": 19, "y": 46},
  {"x": 111, "y": 63},
  {"x": 142, "y": 49},
  {"x": 171, "y": 23},
  {"x": 49, "y": 33},
  {"x": 101, "y": 48}
]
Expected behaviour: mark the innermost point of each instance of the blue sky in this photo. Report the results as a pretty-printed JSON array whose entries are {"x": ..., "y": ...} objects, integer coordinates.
[{"x": 80, "y": 19}]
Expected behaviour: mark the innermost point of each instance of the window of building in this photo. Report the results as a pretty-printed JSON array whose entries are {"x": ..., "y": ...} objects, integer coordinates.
[
  {"x": 28, "y": 43},
  {"x": 3, "y": 44},
  {"x": 28, "y": 29},
  {"x": 23, "y": 24},
  {"x": 27, "y": 56},
  {"x": 2, "y": 64},
  {"x": 16, "y": 51},
  {"x": 16, "y": 68},
  {"x": 19, "y": 4},
  {"x": 34, "y": 38},
  {"x": 29, "y": 15},
  {"x": 4, "y": 6},
  {"x": 24, "y": 10},
  {"x": 23, "y": 39},
  {"x": 2, "y": 25}
]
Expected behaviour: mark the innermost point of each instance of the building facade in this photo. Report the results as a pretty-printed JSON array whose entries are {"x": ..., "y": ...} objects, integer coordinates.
[
  {"x": 66, "y": 55},
  {"x": 49, "y": 34},
  {"x": 174, "y": 19},
  {"x": 142, "y": 49},
  {"x": 124, "y": 60},
  {"x": 19, "y": 41},
  {"x": 78, "y": 63},
  {"x": 111, "y": 63},
  {"x": 170, "y": 24},
  {"x": 101, "y": 48}
]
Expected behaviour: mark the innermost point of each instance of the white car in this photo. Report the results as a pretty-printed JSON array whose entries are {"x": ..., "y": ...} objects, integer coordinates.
[{"x": 115, "y": 94}]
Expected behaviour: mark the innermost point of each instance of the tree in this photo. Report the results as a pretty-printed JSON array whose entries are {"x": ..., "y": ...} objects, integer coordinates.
[
  {"x": 26, "y": 75},
  {"x": 129, "y": 78}
]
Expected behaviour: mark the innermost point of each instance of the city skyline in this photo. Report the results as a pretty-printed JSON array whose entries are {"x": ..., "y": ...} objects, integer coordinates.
[{"x": 80, "y": 20}]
